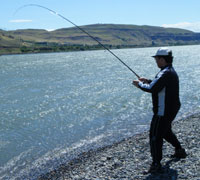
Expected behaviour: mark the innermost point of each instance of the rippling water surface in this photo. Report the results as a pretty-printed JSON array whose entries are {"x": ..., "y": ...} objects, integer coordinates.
[{"x": 54, "y": 106}]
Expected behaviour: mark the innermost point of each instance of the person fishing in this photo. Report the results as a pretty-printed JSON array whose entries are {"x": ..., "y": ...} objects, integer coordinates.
[{"x": 166, "y": 104}]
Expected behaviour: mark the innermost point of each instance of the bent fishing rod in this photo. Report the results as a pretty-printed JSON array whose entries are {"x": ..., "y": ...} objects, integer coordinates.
[{"x": 81, "y": 29}]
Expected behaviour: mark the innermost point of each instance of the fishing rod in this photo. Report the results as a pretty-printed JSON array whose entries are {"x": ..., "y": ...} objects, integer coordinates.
[{"x": 54, "y": 12}]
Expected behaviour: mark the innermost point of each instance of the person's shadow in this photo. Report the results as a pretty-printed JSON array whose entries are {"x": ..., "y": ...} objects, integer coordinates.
[{"x": 167, "y": 172}]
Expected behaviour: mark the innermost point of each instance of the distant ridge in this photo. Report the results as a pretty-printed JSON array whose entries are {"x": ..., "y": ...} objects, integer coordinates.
[{"x": 111, "y": 35}]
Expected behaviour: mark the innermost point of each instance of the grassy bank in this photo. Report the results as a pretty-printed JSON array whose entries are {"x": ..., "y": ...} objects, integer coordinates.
[{"x": 113, "y": 36}]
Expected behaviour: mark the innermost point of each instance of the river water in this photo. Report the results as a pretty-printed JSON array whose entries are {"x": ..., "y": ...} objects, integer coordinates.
[{"x": 54, "y": 106}]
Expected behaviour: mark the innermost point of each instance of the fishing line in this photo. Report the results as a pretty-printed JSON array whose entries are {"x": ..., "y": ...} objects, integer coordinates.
[{"x": 82, "y": 31}]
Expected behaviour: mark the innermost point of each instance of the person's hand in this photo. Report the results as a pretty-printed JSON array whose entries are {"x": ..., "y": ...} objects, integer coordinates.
[
  {"x": 135, "y": 83},
  {"x": 144, "y": 80}
]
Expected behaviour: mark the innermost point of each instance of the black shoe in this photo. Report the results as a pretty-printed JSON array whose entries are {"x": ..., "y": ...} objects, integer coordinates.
[
  {"x": 179, "y": 153},
  {"x": 155, "y": 168}
]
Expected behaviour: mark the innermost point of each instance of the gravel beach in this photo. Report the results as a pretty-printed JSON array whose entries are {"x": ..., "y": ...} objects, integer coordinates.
[{"x": 130, "y": 158}]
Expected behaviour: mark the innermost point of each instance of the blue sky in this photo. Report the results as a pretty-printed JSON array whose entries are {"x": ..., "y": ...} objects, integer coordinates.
[{"x": 170, "y": 13}]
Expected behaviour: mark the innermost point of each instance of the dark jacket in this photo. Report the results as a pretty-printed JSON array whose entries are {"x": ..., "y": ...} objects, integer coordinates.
[{"x": 165, "y": 92}]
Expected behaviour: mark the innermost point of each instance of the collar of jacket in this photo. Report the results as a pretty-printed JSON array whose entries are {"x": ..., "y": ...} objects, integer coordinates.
[{"x": 168, "y": 65}]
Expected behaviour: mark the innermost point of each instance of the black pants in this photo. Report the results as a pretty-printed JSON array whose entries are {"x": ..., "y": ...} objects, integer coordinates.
[{"x": 161, "y": 129}]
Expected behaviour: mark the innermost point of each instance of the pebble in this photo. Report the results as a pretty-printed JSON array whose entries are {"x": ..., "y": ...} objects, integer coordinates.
[{"x": 130, "y": 158}]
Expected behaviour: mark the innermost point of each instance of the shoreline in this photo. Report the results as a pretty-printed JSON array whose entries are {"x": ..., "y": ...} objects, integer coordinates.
[
  {"x": 130, "y": 158},
  {"x": 95, "y": 49}
]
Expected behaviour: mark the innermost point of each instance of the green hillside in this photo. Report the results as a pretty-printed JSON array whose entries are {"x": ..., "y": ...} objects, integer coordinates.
[{"x": 111, "y": 35}]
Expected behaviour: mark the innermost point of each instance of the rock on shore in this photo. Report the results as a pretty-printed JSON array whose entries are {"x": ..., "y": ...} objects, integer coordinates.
[{"x": 130, "y": 158}]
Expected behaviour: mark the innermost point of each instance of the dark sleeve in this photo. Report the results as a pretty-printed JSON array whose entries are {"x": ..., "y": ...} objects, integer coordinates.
[
  {"x": 149, "y": 81},
  {"x": 156, "y": 85}
]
